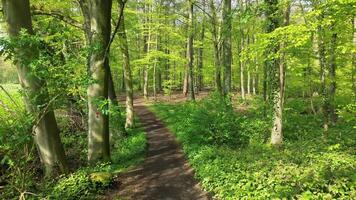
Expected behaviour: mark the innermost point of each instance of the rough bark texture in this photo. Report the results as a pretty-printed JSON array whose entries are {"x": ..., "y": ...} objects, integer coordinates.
[
  {"x": 17, "y": 16},
  {"x": 127, "y": 71},
  {"x": 98, "y": 145}
]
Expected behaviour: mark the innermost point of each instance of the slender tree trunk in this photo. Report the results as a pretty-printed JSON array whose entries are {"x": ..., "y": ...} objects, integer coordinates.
[
  {"x": 323, "y": 90},
  {"x": 185, "y": 82},
  {"x": 248, "y": 82},
  {"x": 248, "y": 67},
  {"x": 17, "y": 16},
  {"x": 113, "y": 98},
  {"x": 254, "y": 77},
  {"x": 332, "y": 77},
  {"x": 155, "y": 73},
  {"x": 242, "y": 68},
  {"x": 190, "y": 52},
  {"x": 146, "y": 39},
  {"x": 217, "y": 62},
  {"x": 200, "y": 58},
  {"x": 127, "y": 69},
  {"x": 226, "y": 42},
  {"x": 353, "y": 72}
]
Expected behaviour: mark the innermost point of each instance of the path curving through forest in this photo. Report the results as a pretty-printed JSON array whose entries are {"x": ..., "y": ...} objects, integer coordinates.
[{"x": 165, "y": 173}]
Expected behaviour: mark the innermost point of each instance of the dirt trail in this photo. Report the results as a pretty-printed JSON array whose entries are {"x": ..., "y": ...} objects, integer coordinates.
[{"x": 165, "y": 173}]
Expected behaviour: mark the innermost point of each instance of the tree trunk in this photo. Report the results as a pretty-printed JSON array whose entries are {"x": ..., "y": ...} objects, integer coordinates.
[
  {"x": 17, "y": 15},
  {"x": 98, "y": 145},
  {"x": 254, "y": 77},
  {"x": 226, "y": 42},
  {"x": 127, "y": 70},
  {"x": 217, "y": 62},
  {"x": 200, "y": 59},
  {"x": 186, "y": 74},
  {"x": 242, "y": 68},
  {"x": 190, "y": 52},
  {"x": 332, "y": 74},
  {"x": 323, "y": 90},
  {"x": 146, "y": 49},
  {"x": 276, "y": 67},
  {"x": 248, "y": 82},
  {"x": 113, "y": 98},
  {"x": 353, "y": 71}
]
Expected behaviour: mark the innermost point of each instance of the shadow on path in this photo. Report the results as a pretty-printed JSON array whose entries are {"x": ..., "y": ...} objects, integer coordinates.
[{"x": 165, "y": 173}]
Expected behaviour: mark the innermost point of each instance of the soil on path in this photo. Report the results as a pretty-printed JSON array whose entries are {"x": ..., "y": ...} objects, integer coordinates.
[{"x": 165, "y": 173}]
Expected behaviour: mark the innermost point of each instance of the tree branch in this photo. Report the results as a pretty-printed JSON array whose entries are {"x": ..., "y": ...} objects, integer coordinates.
[
  {"x": 60, "y": 16},
  {"x": 122, "y": 6}
]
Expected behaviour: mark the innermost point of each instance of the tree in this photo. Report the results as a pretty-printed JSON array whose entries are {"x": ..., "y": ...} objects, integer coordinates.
[
  {"x": 190, "y": 51},
  {"x": 127, "y": 68},
  {"x": 98, "y": 120},
  {"x": 274, "y": 65},
  {"x": 226, "y": 45},
  {"x": 146, "y": 48},
  {"x": 17, "y": 15},
  {"x": 217, "y": 60}
]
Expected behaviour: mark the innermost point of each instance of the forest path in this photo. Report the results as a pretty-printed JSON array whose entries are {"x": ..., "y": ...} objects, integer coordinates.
[{"x": 165, "y": 173}]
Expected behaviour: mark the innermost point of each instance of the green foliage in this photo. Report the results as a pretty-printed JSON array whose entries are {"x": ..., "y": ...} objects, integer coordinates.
[
  {"x": 348, "y": 113},
  {"x": 89, "y": 182},
  {"x": 211, "y": 121},
  {"x": 305, "y": 168},
  {"x": 76, "y": 186},
  {"x": 17, "y": 152}
]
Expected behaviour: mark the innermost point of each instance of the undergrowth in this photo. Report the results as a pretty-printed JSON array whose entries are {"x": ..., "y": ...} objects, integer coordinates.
[
  {"x": 233, "y": 160},
  {"x": 20, "y": 169}
]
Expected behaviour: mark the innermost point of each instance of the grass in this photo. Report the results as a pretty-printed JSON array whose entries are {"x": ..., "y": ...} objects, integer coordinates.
[{"x": 307, "y": 167}]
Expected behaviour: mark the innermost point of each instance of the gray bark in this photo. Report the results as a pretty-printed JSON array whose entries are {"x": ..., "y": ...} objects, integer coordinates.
[
  {"x": 100, "y": 27},
  {"x": 17, "y": 16}
]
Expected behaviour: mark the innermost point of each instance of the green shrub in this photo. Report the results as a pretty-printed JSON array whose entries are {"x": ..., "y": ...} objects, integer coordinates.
[
  {"x": 211, "y": 121},
  {"x": 307, "y": 167},
  {"x": 81, "y": 185}
]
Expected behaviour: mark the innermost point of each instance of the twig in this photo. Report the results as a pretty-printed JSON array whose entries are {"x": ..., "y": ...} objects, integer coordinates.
[
  {"x": 8, "y": 94},
  {"x": 60, "y": 16},
  {"x": 122, "y": 3},
  {"x": 43, "y": 114}
]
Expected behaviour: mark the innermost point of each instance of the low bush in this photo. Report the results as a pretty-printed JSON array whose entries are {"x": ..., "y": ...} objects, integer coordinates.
[{"x": 306, "y": 167}]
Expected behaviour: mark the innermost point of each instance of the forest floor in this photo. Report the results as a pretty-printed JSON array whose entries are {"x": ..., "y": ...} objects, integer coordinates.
[{"x": 165, "y": 173}]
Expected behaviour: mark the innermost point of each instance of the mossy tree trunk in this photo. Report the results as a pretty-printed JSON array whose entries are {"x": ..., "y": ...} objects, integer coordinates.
[{"x": 275, "y": 67}]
